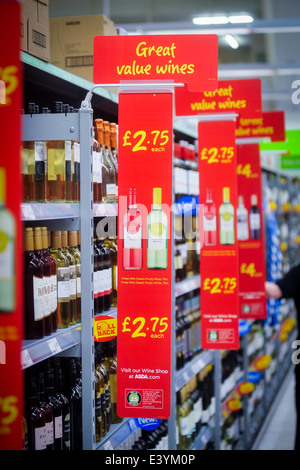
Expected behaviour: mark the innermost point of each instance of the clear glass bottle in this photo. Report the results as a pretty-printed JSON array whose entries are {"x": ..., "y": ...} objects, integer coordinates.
[
  {"x": 72, "y": 271},
  {"x": 132, "y": 234},
  {"x": 56, "y": 166},
  {"x": 74, "y": 250},
  {"x": 157, "y": 234},
  {"x": 109, "y": 182},
  {"x": 63, "y": 280},
  {"x": 227, "y": 223},
  {"x": 242, "y": 220}
]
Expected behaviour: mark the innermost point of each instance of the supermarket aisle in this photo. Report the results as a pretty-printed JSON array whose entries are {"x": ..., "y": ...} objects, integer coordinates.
[{"x": 278, "y": 431}]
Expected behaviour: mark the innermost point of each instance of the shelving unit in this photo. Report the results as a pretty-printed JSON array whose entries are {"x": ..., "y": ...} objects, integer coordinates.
[{"x": 79, "y": 340}]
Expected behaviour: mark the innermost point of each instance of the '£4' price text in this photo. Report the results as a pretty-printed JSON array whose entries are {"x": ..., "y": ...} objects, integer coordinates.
[
  {"x": 250, "y": 270},
  {"x": 140, "y": 140},
  {"x": 157, "y": 327},
  {"x": 216, "y": 155},
  {"x": 217, "y": 285}
]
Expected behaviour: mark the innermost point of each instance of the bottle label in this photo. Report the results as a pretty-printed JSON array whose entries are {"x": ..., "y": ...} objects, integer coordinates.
[
  {"x": 40, "y": 156},
  {"x": 48, "y": 295},
  {"x": 6, "y": 257},
  {"x": 38, "y": 298},
  {"x": 77, "y": 152},
  {"x": 49, "y": 433},
  {"x": 111, "y": 190},
  {"x": 133, "y": 234},
  {"x": 157, "y": 236},
  {"x": 255, "y": 221},
  {"x": 40, "y": 438},
  {"x": 210, "y": 223},
  {"x": 58, "y": 428},
  {"x": 73, "y": 282},
  {"x": 78, "y": 279},
  {"x": 101, "y": 274},
  {"x": 226, "y": 222},
  {"x": 63, "y": 284},
  {"x": 54, "y": 293}
]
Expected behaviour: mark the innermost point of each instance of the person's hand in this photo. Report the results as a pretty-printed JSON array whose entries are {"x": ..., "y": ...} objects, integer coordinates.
[{"x": 273, "y": 290}]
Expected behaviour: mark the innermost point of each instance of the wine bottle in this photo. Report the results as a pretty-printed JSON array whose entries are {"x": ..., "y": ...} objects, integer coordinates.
[
  {"x": 63, "y": 280},
  {"x": 65, "y": 406},
  {"x": 53, "y": 281},
  {"x": 132, "y": 234},
  {"x": 72, "y": 271},
  {"x": 76, "y": 178},
  {"x": 56, "y": 166},
  {"x": 108, "y": 169},
  {"x": 46, "y": 288},
  {"x": 226, "y": 212},
  {"x": 110, "y": 361},
  {"x": 96, "y": 278},
  {"x": 28, "y": 157},
  {"x": 7, "y": 251},
  {"x": 242, "y": 220},
  {"x": 209, "y": 220},
  {"x": 56, "y": 408},
  {"x": 35, "y": 418},
  {"x": 114, "y": 150},
  {"x": 104, "y": 369},
  {"x": 157, "y": 234},
  {"x": 111, "y": 243},
  {"x": 107, "y": 277},
  {"x": 73, "y": 249},
  {"x": 254, "y": 216},
  {"x": 47, "y": 409},
  {"x": 97, "y": 171},
  {"x": 75, "y": 400},
  {"x": 68, "y": 163},
  {"x": 33, "y": 281}
]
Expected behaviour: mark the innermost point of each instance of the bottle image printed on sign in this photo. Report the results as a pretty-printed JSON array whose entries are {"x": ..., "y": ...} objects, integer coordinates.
[
  {"x": 254, "y": 218},
  {"x": 7, "y": 251},
  {"x": 157, "y": 234},
  {"x": 226, "y": 213},
  {"x": 242, "y": 220},
  {"x": 132, "y": 234},
  {"x": 209, "y": 220}
]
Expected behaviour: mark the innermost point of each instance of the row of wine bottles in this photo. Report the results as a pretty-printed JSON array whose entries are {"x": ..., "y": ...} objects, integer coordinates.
[
  {"x": 51, "y": 169},
  {"x": 52, "y": 279},
  {"x": 195, "y": 407},
  {"x": 188, "y": 340},
  {"x": 53, "y": 406}
]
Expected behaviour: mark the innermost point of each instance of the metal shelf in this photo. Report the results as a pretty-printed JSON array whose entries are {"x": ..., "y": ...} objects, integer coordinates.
[
  {"x": 187, "y": 285},
  {"x": 35, "y": 351},
  {"x": 192, "y": 368},
  {"x": 118, "y": 434},
  {"x": 32, "y": 211}
]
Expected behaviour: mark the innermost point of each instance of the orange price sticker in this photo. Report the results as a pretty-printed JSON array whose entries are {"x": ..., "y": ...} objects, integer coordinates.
[
  {"x": 245, "y": 388},
  {"x": 234, "y": 404},
  {"x": 105, "y": 328},
  {"x": 262, "y": 362}
]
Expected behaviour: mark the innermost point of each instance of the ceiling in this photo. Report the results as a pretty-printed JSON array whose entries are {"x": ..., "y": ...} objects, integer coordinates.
[{"x": 268, "y": 46}]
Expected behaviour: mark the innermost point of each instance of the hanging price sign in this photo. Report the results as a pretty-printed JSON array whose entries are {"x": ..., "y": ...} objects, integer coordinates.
[
  {"x": 144, "y": 255},
  {"x": 218, "y": 255},
  {"x": 250, "y": 234},
  {"x": 270, "y": 124},
  {"x": 11, "y": 284}
]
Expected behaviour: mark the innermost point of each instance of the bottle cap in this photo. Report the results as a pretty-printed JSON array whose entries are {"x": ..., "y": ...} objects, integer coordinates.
[
  {"x": 45, "y": 238},
  {"x": 72, "y": 237},
  {"x": 241, "y": 200},
  {"x": 226, "y": 194},
  {"x": 37, "y": 236},
  {"x": 64, "y": 238},
  {"x": 28, "y": 241},
  {"x": 56, "y": 239},
  {"x": 2, "y": 184},
  {"x": 157, "y": 196}
]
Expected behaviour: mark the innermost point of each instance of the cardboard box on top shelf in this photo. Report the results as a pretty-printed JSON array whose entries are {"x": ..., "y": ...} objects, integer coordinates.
[
  {"x": 35, "y": 27},
  {"x": 72, "y": 42}
]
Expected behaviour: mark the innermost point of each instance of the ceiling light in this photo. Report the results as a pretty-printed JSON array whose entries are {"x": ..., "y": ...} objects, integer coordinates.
[
  {"x": 204, "y": 20},
  {"x": 240, "y": 19},
  {"x": 232, "y": 41}
]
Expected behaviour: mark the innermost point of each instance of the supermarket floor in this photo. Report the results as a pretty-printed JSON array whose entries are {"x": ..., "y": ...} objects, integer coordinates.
[{"x": 278, "y": 430}]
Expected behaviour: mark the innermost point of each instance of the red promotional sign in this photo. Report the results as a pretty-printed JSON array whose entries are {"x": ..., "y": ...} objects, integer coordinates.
[
  {"x": 144, "y": 255},
  {"x": 219, "y": 253},
  {"x": 271, "y": 125},
  {"x": 242, "y": 97},
  {"x": 250, "y": 233},
  {"x": 165, "y": 57},
  {"x": 11, "y": 286}
]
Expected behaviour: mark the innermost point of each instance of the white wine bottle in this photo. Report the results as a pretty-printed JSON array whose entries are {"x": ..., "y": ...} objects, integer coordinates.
[{"x": 157, "y": 234}]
